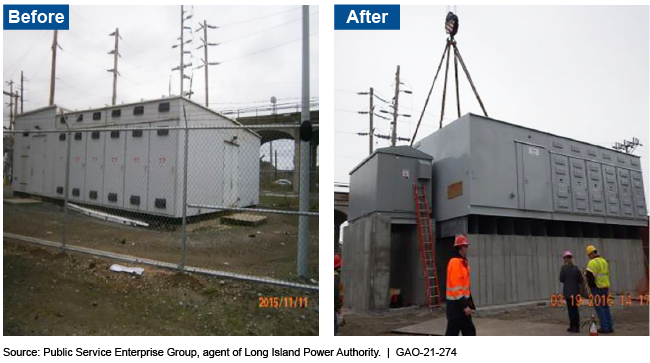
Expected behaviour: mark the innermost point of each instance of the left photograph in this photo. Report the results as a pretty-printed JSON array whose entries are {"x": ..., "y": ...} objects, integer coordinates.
[{"x": 160, "y": 172}]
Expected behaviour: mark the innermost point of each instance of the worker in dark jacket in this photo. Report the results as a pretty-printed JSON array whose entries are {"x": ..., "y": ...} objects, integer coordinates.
[
  {"x": 459, "y": 298},
  {"x": 571, "y": 277}
]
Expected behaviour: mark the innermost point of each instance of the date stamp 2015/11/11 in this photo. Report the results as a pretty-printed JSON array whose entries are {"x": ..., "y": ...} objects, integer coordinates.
[
  {"x": 283, "y": 302},
  {"x": 601, "y": 300}
]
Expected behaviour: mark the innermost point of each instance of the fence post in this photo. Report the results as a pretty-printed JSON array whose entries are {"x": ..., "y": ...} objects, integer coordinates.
[
  {"x": 303, "y": 221},
  {"x": 185, "y": 157},
  {"x": 66, "y": 193}
]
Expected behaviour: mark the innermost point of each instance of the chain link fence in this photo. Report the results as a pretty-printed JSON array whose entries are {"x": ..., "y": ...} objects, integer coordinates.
[{"x": 184, "y": 194}]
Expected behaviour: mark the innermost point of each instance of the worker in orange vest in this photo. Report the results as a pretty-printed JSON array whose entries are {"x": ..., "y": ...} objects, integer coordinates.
[{"x": 459, "y": 298}]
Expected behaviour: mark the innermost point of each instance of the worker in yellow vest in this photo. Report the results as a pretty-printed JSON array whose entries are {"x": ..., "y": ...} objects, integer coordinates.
[
  {"x": 459, "y": 298},
  {"x": 598, "y": 281}
]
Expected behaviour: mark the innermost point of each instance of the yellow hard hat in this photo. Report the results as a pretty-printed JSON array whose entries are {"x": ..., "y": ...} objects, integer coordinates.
[{"x": 590, "y": 249}]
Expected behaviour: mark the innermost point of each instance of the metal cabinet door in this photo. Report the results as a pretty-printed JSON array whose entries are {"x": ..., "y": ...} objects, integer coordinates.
[
  {"x": 535, "y": 178},
  {"x": 20, "y": 163},
  {"x": 625, "y": 192},
  {"x": 230, "y": 174},
  {"x": 579, "y": 187},
  {"x": 561, "y": 183},
  {"x": 60, "y": 160},
  {"x": 113, "y": 195},
  {"x": 638, "y": 194},
  {"x": 163, "y": 151},
  {"x": 136, "y": 177},
  {"x": 596, "y": 188},
  {"x": 95, "y": 166},
  {"x": 612, "y": 203},
  {"x": 77, "y": 166},
  {"x": 37, "y": 150}
]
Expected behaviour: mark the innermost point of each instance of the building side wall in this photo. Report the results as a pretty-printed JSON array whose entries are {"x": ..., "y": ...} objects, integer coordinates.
[{"x": 449, "y": 147}]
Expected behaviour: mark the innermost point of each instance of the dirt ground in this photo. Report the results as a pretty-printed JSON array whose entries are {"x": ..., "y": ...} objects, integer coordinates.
[
  {"x": 268, "y": 250},
  {"x": 628, "y": 320},
  {"x": 50, "y": 293}
]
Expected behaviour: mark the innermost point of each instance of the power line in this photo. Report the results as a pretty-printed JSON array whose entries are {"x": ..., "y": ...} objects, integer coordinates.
[
  {"x": 266, "y": 49},
  {"x": 264, "y": 30},
  {"x": 261, "y": 17},
  {"x": 31, "y": 47}
]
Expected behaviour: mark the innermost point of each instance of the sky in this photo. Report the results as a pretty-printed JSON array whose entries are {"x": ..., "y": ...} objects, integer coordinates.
[
  {"x": 578, "y": 72},
  {"x": 259, "y": 49}
]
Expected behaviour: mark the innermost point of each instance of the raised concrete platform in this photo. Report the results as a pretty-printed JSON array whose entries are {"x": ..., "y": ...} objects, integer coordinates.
[
  {"x": 244, "y": 219},
  {"x": 491, "y": 327},
  {"x": 21, "y": 201}
]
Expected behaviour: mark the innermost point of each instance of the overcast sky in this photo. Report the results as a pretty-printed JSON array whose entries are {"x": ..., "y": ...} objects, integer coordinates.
[
  {"x": 578, "y": 72},
  {"x": 260, "y": 52}
]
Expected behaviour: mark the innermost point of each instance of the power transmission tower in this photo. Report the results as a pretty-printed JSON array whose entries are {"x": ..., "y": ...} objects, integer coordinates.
[
  {"x": 55, "y": 45},
  {"x": 22, "y": 79},
  {"x": 116, "y": 53},
  {"x": 627, "y": 147},
  {"x": 205, "y": 44},
  {"x": 182, "y": 66},
  {"x": 393, "y": 139}
]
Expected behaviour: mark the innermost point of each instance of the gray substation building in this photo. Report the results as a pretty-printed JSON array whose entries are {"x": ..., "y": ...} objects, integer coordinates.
[
  {"x": 521, "y": 196},
  {"x": 130, "y": 157}
]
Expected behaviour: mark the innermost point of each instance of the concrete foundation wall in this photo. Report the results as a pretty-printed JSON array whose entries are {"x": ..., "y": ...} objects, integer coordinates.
[
  {"x": 513, "y": 269},
  {"x": 366, "y": 263},
  {"x": 504, "y": 269}
]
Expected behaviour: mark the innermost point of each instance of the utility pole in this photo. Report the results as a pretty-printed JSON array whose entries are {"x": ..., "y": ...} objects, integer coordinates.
[
  {"x": 371, "y": 113},
  {"x": 393, "y": 140},
  {"x": 55, "y": 45},
  {"x": 116, "y": 53},
  {"x": 305, "y": 148},
  {"x": 22, "y": 78},
  {"x": 16, "y": 104},
  {"x": 11, "y": 105}
]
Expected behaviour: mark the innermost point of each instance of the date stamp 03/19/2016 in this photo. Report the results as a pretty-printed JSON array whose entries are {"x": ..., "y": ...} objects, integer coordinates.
[{"x": 601, "y": 300}]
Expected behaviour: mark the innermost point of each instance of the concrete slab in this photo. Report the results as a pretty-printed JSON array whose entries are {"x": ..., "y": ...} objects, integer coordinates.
[
  {"x": 244, "y": 219},
  {"x": 490, "y": 327},
  {"x": 22, "y": 201}
]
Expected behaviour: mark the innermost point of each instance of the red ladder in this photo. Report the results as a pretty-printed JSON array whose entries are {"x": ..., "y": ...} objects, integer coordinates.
[{"x": 427, "y": 244}]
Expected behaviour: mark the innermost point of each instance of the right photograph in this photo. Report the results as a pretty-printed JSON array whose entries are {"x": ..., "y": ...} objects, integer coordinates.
[{"x": 489, "y": 172}]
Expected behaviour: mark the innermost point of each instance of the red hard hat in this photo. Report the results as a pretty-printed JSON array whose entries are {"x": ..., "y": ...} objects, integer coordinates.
[
  {"x": 337, "y": 261},
  {"x": 461, "y": 240}
]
